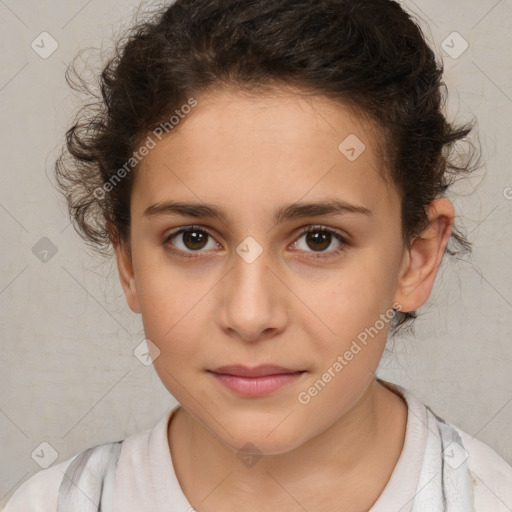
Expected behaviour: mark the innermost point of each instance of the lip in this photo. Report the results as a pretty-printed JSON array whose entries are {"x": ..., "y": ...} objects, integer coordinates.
[
  {"x": 256, "y": 371},
  {"x": 262, "y": 380}
]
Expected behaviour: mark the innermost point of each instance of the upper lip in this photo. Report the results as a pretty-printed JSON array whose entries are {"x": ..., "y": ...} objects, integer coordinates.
[{"x": 257, "y": 371}]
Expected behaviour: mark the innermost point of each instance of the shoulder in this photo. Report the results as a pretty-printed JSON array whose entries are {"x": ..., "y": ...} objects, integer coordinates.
[
  {"x": 491, "y": 474},
  {"x": 40, "y": 492}
]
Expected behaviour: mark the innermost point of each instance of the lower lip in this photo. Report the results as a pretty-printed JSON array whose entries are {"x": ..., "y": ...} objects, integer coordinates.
[{"x": 256, "y": 386}]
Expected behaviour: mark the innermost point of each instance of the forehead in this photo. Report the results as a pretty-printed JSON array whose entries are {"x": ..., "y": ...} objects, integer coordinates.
[{"x": 257, "y": 150}]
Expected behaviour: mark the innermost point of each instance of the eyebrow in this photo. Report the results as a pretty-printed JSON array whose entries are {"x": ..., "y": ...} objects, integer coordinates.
[{"x": 284, "y": 213}]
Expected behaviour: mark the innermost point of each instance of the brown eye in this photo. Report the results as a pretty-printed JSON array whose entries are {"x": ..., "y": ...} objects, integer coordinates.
[
  {"x": 190, "y": 239},
  {"x": 319, "y": 238},
  {"x": 194, "y": 239}
]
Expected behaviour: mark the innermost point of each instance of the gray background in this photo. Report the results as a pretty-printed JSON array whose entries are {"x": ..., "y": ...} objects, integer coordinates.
[{"x": 68, "y": 373}]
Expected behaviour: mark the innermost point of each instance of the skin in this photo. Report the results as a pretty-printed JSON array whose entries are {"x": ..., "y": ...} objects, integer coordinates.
[{"x": 297, "y": 305}]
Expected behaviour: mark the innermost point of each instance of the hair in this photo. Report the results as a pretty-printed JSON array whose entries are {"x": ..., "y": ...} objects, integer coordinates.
[{"x": 369, "y": 55}]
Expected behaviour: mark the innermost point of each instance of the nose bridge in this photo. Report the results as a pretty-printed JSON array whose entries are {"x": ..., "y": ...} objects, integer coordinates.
[
  {"x": 252, "y": 301},
  {"x": 249, "y": 282}
]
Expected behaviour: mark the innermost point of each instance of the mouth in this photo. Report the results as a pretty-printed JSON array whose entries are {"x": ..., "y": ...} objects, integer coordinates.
[
  {"x": 258, "y": 381},
  {"x": 258, "y": 371}
]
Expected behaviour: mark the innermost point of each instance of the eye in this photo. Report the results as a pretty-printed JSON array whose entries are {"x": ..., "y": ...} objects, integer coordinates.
[
  {"x": 191, "y": 239},
  {"x": 320, "y": 238}
]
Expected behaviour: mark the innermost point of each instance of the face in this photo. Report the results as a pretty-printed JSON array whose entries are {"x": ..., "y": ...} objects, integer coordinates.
[{"x": 249, "y": 287}]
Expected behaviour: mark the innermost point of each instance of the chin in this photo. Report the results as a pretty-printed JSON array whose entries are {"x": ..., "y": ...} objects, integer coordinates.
[{"x": 260, "y": 440}]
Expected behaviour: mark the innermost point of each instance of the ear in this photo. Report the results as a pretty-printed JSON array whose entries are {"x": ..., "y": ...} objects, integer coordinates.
[
  {"x": 423, "y": 258},
  {"x": 125, "y": 269}
]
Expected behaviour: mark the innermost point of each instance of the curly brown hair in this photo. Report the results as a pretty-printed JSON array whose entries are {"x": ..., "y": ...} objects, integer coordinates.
[{"x": 367, "y": 54}]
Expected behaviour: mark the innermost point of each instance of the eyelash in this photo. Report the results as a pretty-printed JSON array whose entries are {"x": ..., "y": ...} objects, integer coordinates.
[{"x": 309, "y": 229}]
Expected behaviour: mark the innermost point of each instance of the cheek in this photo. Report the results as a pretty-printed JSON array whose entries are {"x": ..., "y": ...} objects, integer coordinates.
[
  {"x": 348, "y": 343},
  {"x": 171, "y": 314},
  {"x": 350, "y": 324},
  {"x": 351, "y": 299},
  {"x": 170, "y": 304}
]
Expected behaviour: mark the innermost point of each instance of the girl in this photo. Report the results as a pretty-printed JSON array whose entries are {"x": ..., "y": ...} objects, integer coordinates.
[{"x": 271, "y": 176}]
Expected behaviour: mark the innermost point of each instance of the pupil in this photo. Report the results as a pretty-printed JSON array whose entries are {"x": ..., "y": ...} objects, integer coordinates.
[
  {"x": 322, "y": 239},
  {"x": 193, "y": 244}
]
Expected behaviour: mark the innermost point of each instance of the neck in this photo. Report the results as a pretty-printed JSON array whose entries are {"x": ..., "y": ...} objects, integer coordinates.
[{"x": 359, "y": 451}]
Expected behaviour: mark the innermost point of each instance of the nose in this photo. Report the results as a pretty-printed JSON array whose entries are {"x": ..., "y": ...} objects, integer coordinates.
[{"x": 253, "y": 300}]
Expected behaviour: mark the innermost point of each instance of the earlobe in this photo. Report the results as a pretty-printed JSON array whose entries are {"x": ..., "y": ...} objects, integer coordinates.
[
  {"x": 424, "y": 257},
  {"x": 127, "y": 276}
]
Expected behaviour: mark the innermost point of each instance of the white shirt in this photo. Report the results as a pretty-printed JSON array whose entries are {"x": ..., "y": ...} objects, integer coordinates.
[{"x": 145, "y": 479}]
